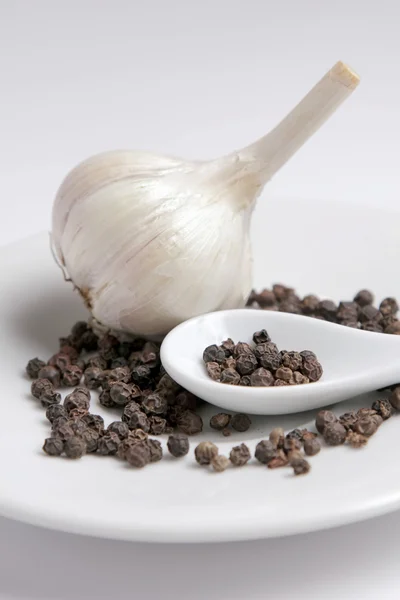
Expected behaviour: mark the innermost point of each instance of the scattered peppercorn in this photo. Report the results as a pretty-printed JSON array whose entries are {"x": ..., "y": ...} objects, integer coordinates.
[
  {"x": 334, "y": 433},
  {"x": 33, "y": 367},
  {"x": 50, "y": 373},
  {"x": 299, "y": 464},
  {"x": 190, "y": 423},
  {"x": 156, "y": 451},
  {"x": 74, "y": 447},
  {"x": 312, "y": 446},
  {"x": 239, "y": 455},
  {"x": 95, "y": 422},
  {"x": 138, "y": 454},
  {"x": 277, "y": 436},
  {"x": 324, "y": 418},
  {"x": 383, "y": 408},
  {"x": 53, "y": 446},
  {"x": 220, "y": 421},
  {"x": 93, "y": 377},
  {"x": 280, "y": 460},
  {"x": 71, "y": 375},
  {"x": 49, "y": 397},
  {"x": 178, "y": 445},
  {"x": 265, "y": 451},
  {"x": 240, "y": 422},
  {"x": 205, "y": 452},
  {"x": 219, "y": 463},
  {"x": 54, "y": 411},
  {"x": 91, "y": 439},
  {"x": 356, "y": 440}
]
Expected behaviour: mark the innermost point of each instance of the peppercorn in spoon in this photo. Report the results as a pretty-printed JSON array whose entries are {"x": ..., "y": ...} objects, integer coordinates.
[{"x": 353, "y": 361}]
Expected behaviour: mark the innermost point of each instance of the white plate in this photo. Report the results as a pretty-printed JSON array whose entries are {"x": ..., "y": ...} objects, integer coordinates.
[{"x": 176, "y": 500}]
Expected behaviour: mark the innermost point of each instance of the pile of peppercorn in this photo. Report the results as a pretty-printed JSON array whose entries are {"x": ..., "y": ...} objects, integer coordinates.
[
  {"x": 260, "y": 366},
  {"x": 127, "y": 375},
  {"x": 359, "y": 313}
]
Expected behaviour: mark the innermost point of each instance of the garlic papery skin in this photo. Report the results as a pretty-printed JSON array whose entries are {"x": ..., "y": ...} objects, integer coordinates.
[{"x": 150, "y": 241}]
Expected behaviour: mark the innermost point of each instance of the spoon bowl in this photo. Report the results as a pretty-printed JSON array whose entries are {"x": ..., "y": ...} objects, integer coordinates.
[{"x": 354, "y": 361}]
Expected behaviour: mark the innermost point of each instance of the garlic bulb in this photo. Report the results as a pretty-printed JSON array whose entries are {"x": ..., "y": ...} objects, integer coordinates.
[{"x": 150, "y": 241}]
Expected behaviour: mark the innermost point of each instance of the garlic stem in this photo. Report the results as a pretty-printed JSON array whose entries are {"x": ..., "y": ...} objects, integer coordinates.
[{"x": 274, "y": 149}]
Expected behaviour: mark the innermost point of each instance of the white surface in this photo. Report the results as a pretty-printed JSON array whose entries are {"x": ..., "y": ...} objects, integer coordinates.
[
  {"x": 354, "y": 361},
  {"x": 119, "y": 502},
  {"x": 198, "y": 80}
]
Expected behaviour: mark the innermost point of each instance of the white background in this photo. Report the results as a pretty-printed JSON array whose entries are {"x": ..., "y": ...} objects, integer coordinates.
[{"x": 195, "y": 79}]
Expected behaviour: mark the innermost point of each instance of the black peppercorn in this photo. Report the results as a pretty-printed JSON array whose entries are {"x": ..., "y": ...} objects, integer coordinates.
[
  {"x": 155, "y": 404},
  {"x": 312, "y": 369},
  {"x": 76, "y": 399},
  {"x": 265, "y": 451},
  {"x": 178, "y": 445},
  {"x": 138, "y": 454},
  {"x": 157, "y": 425},
  {"x": 246, "y": 364},
  {"x": 324, "y": 418},
  {"x": 230, "y": 376},
  {"x": 292, "y": 360},
  {"x": 120, "y": 428},
  {"x": 348, "y": 419},
  {"x": 219, "y": 463},
  {"x": 284, "y": 373},
  {"x": 277, "y": 436},
  {"x": 383, "y": 408},
  {"x": 131, "y": 408},
  {"x": 50, "y": 397},
  {"x": 363, "y": 298},
  {"x": 54, "y": 411},
  {"x": 367, "y": 426},
  {"x": 309, "y": 304},
  {"x": 240, "y": 422},
  {"x": 260, "y": 337},
  {"x": 220, "y": 421},
  {"x": 139, "y": 420},
  {"x": 60, "y": 360},
  {"x": 93, "y": 377},
  {"x": 190, "y": 423},
  {"x": 105, "y": 399},
  {"x": 39, "y": 386},
  {"x": 312, "y": 446},
  {"x": 394, "y": 398},
  {"x": 213, "y": 370},
  {"x": 214, "y": 353},
  {"x": 50, "y": 373},
  {"x": 108, "y": 444},
  {"x": 388, "y": 306},
  {"x": 156, "y": 451},
  {"x": 95, "y": 422},
  {"x": 74, "y": 447},
  {"x": 262, "y": 378},
  {"x": 327, "y": 310},
  {"x": 356, "y": 440},
  {"x": 53, "y": 446},
  {"x": 120, "y": 393},
  {"x": 239, "y": 455},
  {"x": 71, "y": 375},
  {"x": 334, "y": 433},
  {"x": 34, "y": 366},
  {"x": 299, "y": 464}
]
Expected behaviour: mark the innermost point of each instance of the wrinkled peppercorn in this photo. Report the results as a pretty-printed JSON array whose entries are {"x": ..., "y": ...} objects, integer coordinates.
[
  {"x": 33, "y": 367},
  {"x": 50, "y": 373},
  {"x": 383, "y": 408},
  {"x": 74, "y": 447},
  {"x": 388, "y": 306},
  {"x": 205, "y": 452},
  {"x": 39, "y": 386},
  {"x": 108, "y": 444},
  {"x": 262, "y": 378},
  {"x": 213, "y": 370},
  {"x": 120, "y": 428},
  {"x": 93, "y": 377},
  {"x": 76, "y": 399},
  {"x": 324, "y": 418},
  {"x": 106, "y": 400},
  {"x": 367, "y": 426},
  {"x": 334, "y": 433},
  {"x": 292, "y": 360},
  {"x": 220, "y": 421},
  {"x": 265, "y": 451},
  {"x": 138, "y": 454},
  {"x": 91, "y": 439},
  {"x": 155, "y": 404},
  {"x": 291, "y": 444},
  {"x": 157, "y": 425},
  {"x": 60, "y": 360},
  {"x": 246, "y": 364},
  {"x": 260, "y": 337},
  {"x": 54, "y": 411},
  {"x": 230, "y": 376},
  {"x": 220, "y": 463},
  {"x": 156, "y": 451},
  {"x": 312, "y": 369},
  {"x": 240, "y": 422},
  {"x": 178, "y": 445},
  {"x": 214, "y": 353},
  {"x": 96, "y": 362},
  {"x": 50, "y": 397},
  {"x": 138, "y": 420},
  {"x": 53, "y": 446},
  {"x": 242, "y": 348},
  {"x": 95, "y": 422},
  {"x": 239, "y": 455},
  {"x": 327, "y": 310},
  {"x": 309, "y": 304},
  {"x": 190, "y": 423},
  {"x": 348, "y": 419},
  {"x": 120, "y": 393},
  {"x": 284, "y": 373},
  {"x": 71, "y": 376}
]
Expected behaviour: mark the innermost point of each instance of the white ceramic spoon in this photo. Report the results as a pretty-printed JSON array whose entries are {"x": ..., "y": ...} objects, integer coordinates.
[{"x": 354, "y": 361}]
